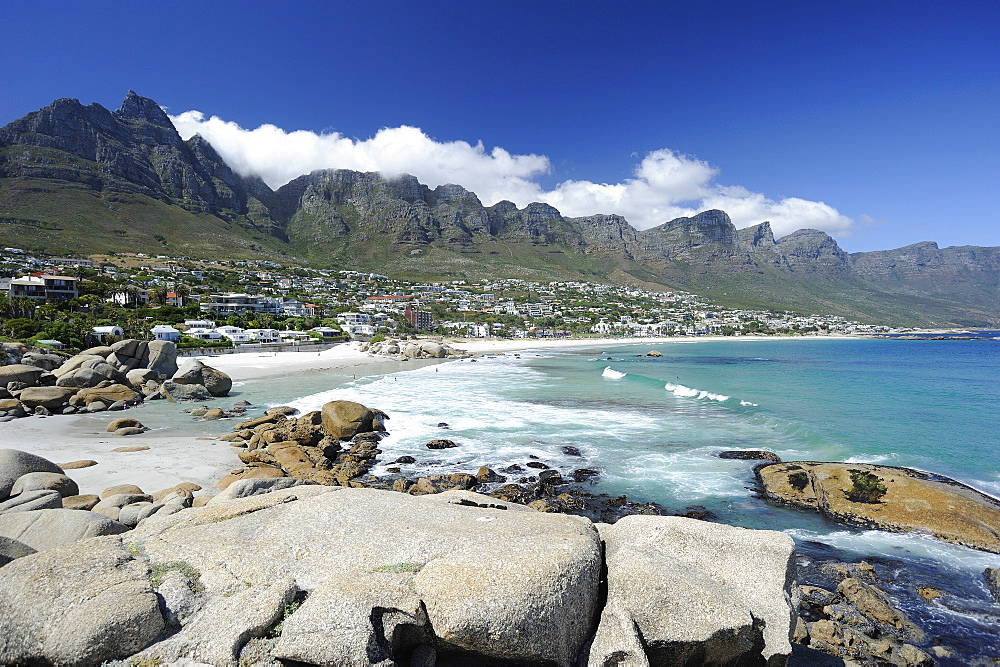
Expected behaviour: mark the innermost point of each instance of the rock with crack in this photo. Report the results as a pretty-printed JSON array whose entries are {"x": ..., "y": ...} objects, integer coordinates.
[
  {"x": 432, "y": 562},
  {"x": 97, "y": 604},
  {"x": 683, "y": 591}
]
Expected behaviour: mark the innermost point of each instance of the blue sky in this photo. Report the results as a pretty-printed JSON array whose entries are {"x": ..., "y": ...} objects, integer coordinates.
[{"x": 875, "y": 121}]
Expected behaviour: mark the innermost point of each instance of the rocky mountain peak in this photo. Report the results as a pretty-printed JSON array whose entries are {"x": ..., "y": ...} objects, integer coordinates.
[
  {"x": 707, "y": 227},
  {"x": 136, "y": 107},
  {"x": 450, "y": 192},
  {"x": 756, "y": 238}
]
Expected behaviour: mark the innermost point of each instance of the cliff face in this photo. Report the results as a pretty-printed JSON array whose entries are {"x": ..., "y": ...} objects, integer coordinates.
[
  {"x": 70, "y": 165},
  {"x": 133, "y": 150}
]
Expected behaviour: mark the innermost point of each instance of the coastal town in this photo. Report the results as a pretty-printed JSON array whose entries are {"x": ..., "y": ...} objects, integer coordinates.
[{"x": 66, "y": 302}]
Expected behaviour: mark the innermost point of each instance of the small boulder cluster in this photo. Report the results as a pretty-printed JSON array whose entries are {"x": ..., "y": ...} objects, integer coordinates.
[
  {"x": 41, "y": 506},
  {"x": 308, "y": 447},
  {"x": 405, "y": 350},
  {"x": 112, "y": 377}
]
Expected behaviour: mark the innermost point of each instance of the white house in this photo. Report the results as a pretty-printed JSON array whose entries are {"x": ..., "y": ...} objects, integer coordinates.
[
  {"x": 352, "y": 319},
  {"x": 112, "y": 331},
  {"x": 200, "y": 324},
  {"x": 165, "y": 332},
  {"x": 264, "y": 335},
  {"x": 294, "y": 336},
  {"x": 235, "y": 334},
  {"x": 327, "y": 332},
  {"x": 203, "y": 333}
]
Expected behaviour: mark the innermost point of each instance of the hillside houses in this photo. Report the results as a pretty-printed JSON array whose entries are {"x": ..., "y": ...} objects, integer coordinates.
[{"x": 253, "y": 300}]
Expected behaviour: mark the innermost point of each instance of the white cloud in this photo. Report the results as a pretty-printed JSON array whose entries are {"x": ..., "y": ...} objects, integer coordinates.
[{"x": 665, "y": 184}]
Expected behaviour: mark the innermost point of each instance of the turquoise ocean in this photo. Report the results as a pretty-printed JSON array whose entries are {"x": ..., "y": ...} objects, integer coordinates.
[{"x": 653, "y": 427}]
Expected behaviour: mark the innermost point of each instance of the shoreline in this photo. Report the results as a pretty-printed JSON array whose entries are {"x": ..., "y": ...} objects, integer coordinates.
[{"x": 187, "y": 451}]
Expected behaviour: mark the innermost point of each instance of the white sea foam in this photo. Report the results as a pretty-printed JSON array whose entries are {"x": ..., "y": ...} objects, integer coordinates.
[
  {"x": 491, "y": 425},
  {"x": 612, "y": 374},
  {"x": 874, "y": 459},
  {"x": 897, "y": 545},
  {"x": 688, "y": 392},
  {"x": 748, "y": 403}
]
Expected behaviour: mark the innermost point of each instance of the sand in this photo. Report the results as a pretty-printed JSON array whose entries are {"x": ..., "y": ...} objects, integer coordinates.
[
  {"x": 172, "y": 457},
  {"x": 175, "y": 455}
]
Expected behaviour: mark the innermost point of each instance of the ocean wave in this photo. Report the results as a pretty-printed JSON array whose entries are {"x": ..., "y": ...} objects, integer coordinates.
[
  {"x": 612, "y": 374},
  {"x": 689, "y": 392}
]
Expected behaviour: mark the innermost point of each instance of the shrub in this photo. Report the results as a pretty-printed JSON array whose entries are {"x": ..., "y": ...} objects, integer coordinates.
[
  {"x": 798, "y": 480},
  {"x": 866, "y": 487}
]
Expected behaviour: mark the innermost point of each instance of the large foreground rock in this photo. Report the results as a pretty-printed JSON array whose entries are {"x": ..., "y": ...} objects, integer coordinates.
[
  {"x": 98, "y": 605},
  {"x": 914, "y": 501},
  {"x": 386, "y": 577},
  {"x": 386, "y": 571},
  {"x": 689, "y": 592}
]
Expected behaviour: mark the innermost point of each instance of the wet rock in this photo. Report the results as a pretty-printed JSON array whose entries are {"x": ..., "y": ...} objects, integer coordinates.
[
  {"x": 441, "y": 444},
  {"x": 550, "y": 477},
  {"x": 487, "y": 476},
  {"x": 750, "y": 455},
  {"x": 569, "y": 450},
  {"x": 405, "y": 459},
  {"x": 123, "y": 422},
  {"x": 179, "y": 393},
  {"x": 538, "y": 465},
  {"x": 992, "y": 576},
  {"x": 583, "y": 474}
]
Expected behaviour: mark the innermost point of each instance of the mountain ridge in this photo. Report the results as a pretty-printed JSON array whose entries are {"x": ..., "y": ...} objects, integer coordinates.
[{"x": 127, "y": 177}]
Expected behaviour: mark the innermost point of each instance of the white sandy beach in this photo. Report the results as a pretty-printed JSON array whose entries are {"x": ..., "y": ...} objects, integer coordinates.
[{"x": 173, "y": 457}]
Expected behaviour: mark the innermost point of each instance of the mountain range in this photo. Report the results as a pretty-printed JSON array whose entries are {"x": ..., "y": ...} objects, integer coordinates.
[{"x": 82, "y": 179}]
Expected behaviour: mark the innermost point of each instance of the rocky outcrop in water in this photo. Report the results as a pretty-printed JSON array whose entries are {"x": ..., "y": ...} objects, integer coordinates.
[{"x": 887, "y": 498}]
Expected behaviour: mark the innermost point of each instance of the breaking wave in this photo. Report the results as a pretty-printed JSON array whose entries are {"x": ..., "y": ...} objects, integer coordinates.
[
  {"x": 688, "y": 392},
  {"x": 612, "y": 374}
]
